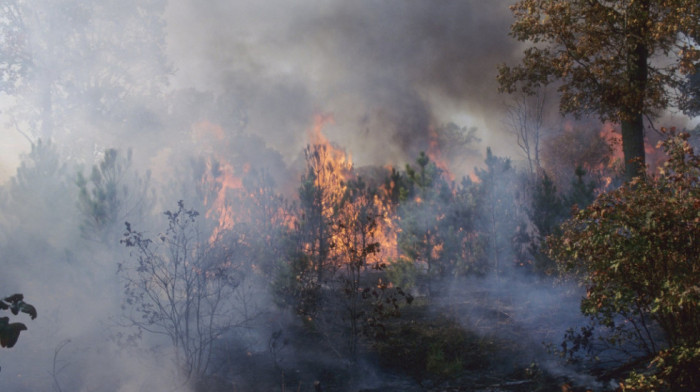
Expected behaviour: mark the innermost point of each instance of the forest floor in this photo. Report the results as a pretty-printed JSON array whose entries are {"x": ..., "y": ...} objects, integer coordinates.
[{"x": 471, "y": 341}]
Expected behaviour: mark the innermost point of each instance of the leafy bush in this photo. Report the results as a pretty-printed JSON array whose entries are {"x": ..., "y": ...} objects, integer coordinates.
[
  {"x": 9, "y": 332},
  {"x": 636, "y": 250}
]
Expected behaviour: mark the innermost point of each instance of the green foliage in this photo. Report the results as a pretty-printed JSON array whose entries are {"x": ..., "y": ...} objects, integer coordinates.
[
  {"x": 546, "y": 212},
  {"x": 690, "y": 99},
  {"x": 438, "y": 348},
  {"x": 310, "y": 259},
  {"x": 547, "y": 207},
  {"x": 675, "y": 369},
  {"x": 582, "y": 193},
  {"x": 437, "y": 226},
  {"x": 636, "y": 251},
  {"x": 403, "y": 273},
  {"x": 42, "y": 187},
  {"x": 9, "y": 332},
  {"x": 295, "y": 286},
  {"x": 112, "y": 194}
]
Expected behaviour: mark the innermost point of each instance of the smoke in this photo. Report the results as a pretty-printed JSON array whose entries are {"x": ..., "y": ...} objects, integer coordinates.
[{"x": 386, "y": 71}]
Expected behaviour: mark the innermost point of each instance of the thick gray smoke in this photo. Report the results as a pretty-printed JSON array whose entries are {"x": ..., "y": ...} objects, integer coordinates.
[{"x": 385, "y": 70}]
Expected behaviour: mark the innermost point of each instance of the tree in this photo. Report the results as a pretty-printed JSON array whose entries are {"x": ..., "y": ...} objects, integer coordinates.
[
  {"x": 419, "y": 238},
  {"x": 526, "y": 121},
  {"x": 184, "y": 288},
  {"x": 113, "y": 193},
  {"x": 621, "y": 60},
  {"x": 500, "y": 218},
  {"x": 262, "y": 216},
  {"x": 436, "y": 223},
  {"x": 313, "y": 260},
  {"x": 14, "y": 52},
  {"x": 72, "y": 62},
  {"x": 582, "y": 192},
  {"x": 636, "y": 251},
  {"x": 42, "y": 186},
  {"x": 577, "y": 147},
  {"x": 546, "y": 213},
  {"x": 356, "y": 242},
  {"x": 690, "y": 102}
]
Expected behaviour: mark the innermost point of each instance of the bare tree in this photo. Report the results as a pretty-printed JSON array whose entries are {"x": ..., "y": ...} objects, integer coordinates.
[
  {"x": 185, "y": 289},
  {"x": 525, "y": 120}
]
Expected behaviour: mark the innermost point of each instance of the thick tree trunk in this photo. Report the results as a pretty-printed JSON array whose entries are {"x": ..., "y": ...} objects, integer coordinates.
[
  {"x": 634, "y": 107},
  {"x": 633, "y": 146}
]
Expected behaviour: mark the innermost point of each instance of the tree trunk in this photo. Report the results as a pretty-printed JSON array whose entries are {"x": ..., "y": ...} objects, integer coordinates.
[
  {"x": 633, "y": 146},
  {"x": 637, "y": 76}
]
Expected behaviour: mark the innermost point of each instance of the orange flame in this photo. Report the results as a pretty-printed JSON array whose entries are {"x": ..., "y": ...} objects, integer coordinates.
[
  {"x": 222, "y": 178},
  {"x": 435, "y": 154},
  {"x": 335, "y": 169},
  {"x": 614, "y": 140},
  {"x": 220, "y": 208},
  {"x": 654, "y": 155}
]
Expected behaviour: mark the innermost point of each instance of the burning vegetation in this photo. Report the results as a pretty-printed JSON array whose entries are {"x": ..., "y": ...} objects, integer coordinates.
[
  {"x": 376, "y": 248},
  {"x": 425, "y": 282}
]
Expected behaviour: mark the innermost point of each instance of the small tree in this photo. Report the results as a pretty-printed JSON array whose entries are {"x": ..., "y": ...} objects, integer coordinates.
[
  {"x": 501, "y": 221},
  {"x": 546, "y": 213},
  {"x": 525, "y": 120},
  {"x": 111, "y": 194},
  {"x": 636, "y": 251},
  {"x": 183, "y": 288},
  {"x": 313, "y": 260},
  {"x": 356, "y": 229}
]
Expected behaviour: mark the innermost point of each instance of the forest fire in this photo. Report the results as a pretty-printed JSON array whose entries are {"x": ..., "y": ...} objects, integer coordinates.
[
  {"x": 611, "y": 134},
  {"x": 435, "y": 154},
  {"x": 219, "y": 178},
  {"x": 456, "y": 216},
  {"x": 333, "y": 174}
]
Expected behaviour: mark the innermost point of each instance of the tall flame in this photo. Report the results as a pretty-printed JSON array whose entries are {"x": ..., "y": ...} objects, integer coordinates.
[
  {"x": 334, "y": 170},
  {"x": 220, "y": 177}
]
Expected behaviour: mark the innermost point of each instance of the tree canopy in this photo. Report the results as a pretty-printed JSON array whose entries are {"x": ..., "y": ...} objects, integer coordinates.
[{"x": 621, "y": 60}]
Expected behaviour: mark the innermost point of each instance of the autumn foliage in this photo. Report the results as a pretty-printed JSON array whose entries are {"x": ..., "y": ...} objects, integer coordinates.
[
  {"x": 636, "y": 251},
  {"x": 620, "y": 60}
]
